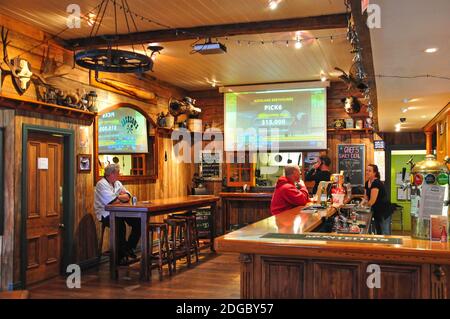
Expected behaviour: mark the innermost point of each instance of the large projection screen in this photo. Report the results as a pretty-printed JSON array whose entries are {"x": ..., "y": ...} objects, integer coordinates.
[{"x": 284, "y": 117}]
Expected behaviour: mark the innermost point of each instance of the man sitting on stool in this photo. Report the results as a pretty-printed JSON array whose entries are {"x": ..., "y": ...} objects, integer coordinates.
[
  {"x": 290, "y": 191},
  {"x": 109, "y": 190}
]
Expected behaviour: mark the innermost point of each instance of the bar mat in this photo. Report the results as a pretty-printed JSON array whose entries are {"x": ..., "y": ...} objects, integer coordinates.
[{"x": 339, "y": 238}]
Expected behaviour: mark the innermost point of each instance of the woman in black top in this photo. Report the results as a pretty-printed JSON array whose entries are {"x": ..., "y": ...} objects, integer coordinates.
[
  {"x": 320, "y": 172},
  {"x": 377, "y": 199}
]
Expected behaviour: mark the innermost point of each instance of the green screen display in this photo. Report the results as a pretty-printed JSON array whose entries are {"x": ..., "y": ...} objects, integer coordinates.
[
  {"x": 291, "y": 119},
  {"x": 123, "y": 130}
]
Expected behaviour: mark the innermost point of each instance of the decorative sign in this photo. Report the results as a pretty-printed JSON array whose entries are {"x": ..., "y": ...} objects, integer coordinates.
[
  {"x": 430, "y": 179},
  {"x": 378, "y": 145},
  {"x": 442, "y": 179},
  {"x": 351, "y": 160},
  {"x": 339, "y": 238},
  {"x": 203, "y": 219},
  {"x": 42, "y": 163},
  {"x": 418, "y": 179},
  {"x": 211, "y": 166}
]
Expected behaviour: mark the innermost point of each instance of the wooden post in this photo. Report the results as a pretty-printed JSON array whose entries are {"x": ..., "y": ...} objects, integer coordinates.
[{"x": 429, "y": 142}]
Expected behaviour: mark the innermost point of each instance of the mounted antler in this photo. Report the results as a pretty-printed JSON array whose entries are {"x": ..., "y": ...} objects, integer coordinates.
[
  {"x": 20, "y": 69},
  {"x": 5, "y": 44}
]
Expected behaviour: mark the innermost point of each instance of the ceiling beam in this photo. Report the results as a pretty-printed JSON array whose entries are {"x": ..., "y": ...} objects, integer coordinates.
[
  {"x": 332, "y": 21},
  {"x": 367, "y": 58}
]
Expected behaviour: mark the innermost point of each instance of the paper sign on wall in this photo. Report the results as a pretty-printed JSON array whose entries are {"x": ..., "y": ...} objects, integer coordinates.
[{"x": 42, "y": 163}]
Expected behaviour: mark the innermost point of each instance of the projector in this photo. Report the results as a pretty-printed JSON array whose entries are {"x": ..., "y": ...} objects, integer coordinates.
[{"x": 210, "y": 48}]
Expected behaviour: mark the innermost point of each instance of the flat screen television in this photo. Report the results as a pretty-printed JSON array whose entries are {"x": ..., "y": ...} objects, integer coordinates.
[
  {"x": 276, "y": 117},
  {"x": 122, "y": 131}
]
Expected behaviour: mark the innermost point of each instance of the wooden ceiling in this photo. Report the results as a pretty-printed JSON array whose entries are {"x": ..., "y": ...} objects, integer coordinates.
[
  {"x": 242, "y": 64},
  {"x": 51, "y": 15}
]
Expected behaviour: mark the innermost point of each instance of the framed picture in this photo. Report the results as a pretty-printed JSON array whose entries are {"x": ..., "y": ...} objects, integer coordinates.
[
  {"x": 84, "y": 163},
  {"x": 402, "y": 194}
]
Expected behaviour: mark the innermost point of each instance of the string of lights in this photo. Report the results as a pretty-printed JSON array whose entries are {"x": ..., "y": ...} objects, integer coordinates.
[
  {"x": 413, "y": 76},
  {"x": 56, "y": 35}
]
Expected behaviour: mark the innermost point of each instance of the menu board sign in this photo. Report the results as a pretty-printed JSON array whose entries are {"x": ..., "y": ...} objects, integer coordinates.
[
  {"x": 203, "y": 220},
  {"x": 351, "y": 160},
  {"x": 211, "y": 166}
]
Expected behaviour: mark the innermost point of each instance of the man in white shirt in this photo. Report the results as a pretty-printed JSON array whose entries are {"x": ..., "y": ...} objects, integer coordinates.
[{"x": 110, "y": 190}]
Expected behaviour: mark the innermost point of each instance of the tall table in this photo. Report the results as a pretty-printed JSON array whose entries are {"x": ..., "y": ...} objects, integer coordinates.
[{"x": 143, "y": 210}]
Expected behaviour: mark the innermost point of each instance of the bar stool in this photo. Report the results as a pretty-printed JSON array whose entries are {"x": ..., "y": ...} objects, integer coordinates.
[
  {"x": 164, "y": 253},
  {"x": 178, "y": 240},
  {"x": 191, "y": 223},
  {"x": 100, "y": 245}
]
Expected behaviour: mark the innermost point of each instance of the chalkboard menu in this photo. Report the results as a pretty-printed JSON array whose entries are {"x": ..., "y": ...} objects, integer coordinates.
[
  {"x": 211, "y": 166},
  {"x": 203, "y": 221},
  {"x": 351, "y": 161}
]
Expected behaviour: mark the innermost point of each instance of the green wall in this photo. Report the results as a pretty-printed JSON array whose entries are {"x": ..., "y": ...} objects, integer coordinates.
[{"x": 397, "y": 163}]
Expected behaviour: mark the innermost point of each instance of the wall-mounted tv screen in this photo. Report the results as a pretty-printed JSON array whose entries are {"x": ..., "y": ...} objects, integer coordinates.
[
  {"x": 283, "y": 118},
  {"x": 123, "y": 130}
]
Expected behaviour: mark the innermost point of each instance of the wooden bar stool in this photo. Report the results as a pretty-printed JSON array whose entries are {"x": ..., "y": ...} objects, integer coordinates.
[
  {"x": 191, "y": 223},
  {"x": 178, "y": 240},
  {"x": 100, "y": 244},
  {"x": 164, "y": 253}
]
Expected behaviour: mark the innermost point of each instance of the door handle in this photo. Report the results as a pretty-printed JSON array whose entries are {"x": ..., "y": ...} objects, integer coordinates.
[{"x": 61, "y": 226}]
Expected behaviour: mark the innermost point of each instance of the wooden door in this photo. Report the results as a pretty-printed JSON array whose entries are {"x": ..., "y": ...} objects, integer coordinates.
[{"x": 44, "y": 206}]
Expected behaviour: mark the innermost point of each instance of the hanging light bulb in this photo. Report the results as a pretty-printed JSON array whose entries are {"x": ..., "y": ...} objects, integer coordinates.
[
  {"x": 273, "y": 4},
  {"x": 298, "y": 42}
]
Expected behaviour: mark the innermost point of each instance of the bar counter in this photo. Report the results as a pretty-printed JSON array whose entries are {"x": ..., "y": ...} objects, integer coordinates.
[
  {"x": 244, "y": 208},
  {"x": 325, "y": 268}
]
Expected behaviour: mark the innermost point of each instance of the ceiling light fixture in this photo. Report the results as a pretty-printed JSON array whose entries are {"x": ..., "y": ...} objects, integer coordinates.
[
  {"x": 431, "y": 50},
  {"x": 323, "y": 76},
  {"x": 298, "y": 41},
  {"x": 273, "y": 4}
]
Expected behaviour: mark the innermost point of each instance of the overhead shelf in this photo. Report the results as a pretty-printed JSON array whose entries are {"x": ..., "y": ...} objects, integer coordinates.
[
  {"x": 22, "y": 103},
  {"x": 350, "y": 130}
]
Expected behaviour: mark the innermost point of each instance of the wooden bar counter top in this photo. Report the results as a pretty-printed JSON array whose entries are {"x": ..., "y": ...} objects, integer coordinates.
[{"x": 328, "y": 268}]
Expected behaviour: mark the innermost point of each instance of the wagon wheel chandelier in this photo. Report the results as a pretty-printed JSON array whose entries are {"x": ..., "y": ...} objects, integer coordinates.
[{"x": 111, "y": 59}]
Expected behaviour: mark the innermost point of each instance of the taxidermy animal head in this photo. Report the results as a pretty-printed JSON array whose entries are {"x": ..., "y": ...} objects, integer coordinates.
[
  {"x": 351, "y": 105},
  {"x": 185, "y": 106}
]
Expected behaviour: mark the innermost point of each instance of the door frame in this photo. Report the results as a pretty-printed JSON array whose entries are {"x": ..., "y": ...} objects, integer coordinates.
[
  {"x": 388, "y": 154},
  {"x": 68, "y": 194}
]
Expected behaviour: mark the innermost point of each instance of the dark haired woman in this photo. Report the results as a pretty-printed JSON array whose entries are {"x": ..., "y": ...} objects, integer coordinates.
[{"x": 376, "y": 197}]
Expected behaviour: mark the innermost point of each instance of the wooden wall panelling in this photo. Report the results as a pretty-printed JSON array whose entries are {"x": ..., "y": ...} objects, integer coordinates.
[
  {"x": 283, "y": 279},
  {"x": 7, "y": 240}
]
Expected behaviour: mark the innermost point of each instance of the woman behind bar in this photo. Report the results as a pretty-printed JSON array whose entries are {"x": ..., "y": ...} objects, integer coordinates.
[{"x": 376, "y": 197}]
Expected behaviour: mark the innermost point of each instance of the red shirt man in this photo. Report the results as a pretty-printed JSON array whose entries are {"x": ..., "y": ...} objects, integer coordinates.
[{"x": 286, "y": 195}]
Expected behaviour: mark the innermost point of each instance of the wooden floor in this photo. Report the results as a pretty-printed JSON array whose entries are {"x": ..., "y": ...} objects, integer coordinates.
[{"x": 215, "y": 276}]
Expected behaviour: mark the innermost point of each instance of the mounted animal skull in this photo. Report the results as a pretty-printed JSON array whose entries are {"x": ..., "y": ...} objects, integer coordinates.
[
  {"x": 20, "y": 69},
  {"x": 351, "y": 105},
  {"x": 186, "y": 106}
]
